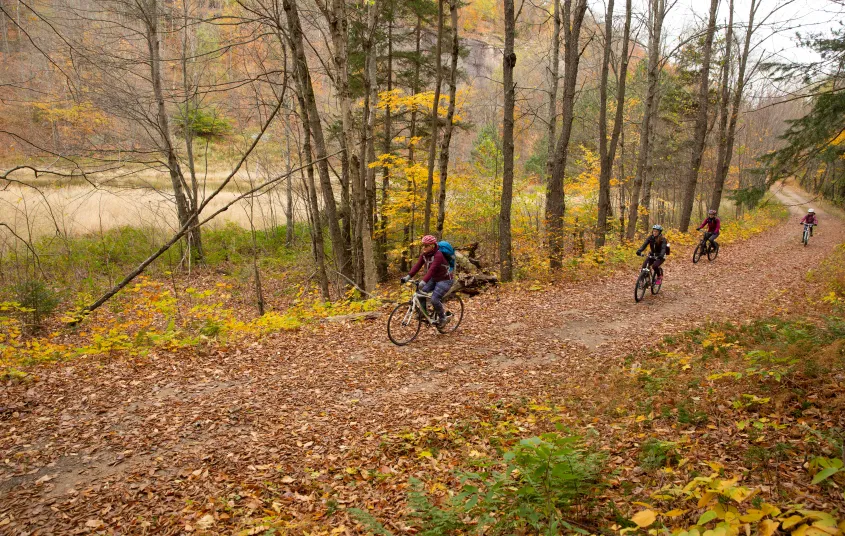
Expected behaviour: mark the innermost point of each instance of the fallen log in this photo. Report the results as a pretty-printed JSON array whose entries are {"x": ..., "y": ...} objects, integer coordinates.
[
  {"x": 368, "y": 315},
  {"x": 471, "y": 278}
]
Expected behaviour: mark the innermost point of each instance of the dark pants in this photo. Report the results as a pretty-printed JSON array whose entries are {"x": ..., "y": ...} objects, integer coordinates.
[
  {"x": 438, "y": 290},
  {"x": 655, "y": 265},
  {"x": 712, "y": 238}
]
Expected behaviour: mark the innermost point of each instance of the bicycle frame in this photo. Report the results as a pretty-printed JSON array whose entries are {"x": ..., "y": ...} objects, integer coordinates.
[
  {"x": 416, "y": 304},
  {"x": 647, "y": 265}
]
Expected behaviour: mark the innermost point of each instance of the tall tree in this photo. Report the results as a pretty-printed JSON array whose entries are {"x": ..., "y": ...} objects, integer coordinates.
[
  {"x": 657, "y": 12},
  {"x": 701, "y": 121},
  {"x": 306, "y": 89},
  {"x": 508, "y": 63},
  {"x": 555, "y": 203},
  {"x": 726, "y": 144},
  {"x": 554, "y": 75},
  {"x": 607, "y": 152},
  {"x": 432, "y": 148},
  {"x": 450, "y": 115}
]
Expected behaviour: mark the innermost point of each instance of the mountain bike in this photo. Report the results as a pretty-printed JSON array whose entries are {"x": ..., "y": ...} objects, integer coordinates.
[
  {"x": 646, "y": 279},
  {"x": 407, "y": 318},
  {"x": 705, "y": 248},
  {"x": 805, "y": 238}
]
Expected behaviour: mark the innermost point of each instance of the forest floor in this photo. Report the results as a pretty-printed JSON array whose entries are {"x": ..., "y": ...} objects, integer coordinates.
[{"x": 287, "y": 432}]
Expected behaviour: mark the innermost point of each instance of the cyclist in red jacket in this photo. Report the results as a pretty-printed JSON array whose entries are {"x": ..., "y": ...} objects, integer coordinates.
[
  {"x": 713, "y": 225},
  {"x": 810, "y": 218},
  {"x": 437, "y": 278}
]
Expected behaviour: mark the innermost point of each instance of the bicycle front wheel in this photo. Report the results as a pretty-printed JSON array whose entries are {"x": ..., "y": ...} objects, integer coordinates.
[
  {"x": 454, "y": 306},
  {"x": 696, "y": 255},
  {"x": 654, "y": 287},
  {"x": 639, "y": 290},
  {"x": 712, "y": 253},
  {"x": 806, "y": 238},
  {"x": 403, "y": 325}
]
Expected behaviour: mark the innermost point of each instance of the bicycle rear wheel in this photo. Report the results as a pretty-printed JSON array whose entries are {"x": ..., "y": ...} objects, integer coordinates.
[
  {"x": 639, "y": 289},
  {"x": 712, "y": 253},
  {"x": 453, "y": 305},
  {"x": 403, "y": 325},
  {"x": 696, "y": 255}
]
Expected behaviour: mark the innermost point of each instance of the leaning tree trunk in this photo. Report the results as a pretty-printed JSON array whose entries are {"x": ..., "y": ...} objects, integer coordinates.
[
  {"x": 555, "y": 202},
  {"x": 608, "y": 154},
  {"x": 508, "y": 63},
  {"x": 450, "y": 114},
  {"x": 701, "y": 122}
]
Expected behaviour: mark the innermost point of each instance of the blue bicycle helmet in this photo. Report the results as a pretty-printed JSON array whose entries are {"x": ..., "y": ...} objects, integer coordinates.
[{"x": 658, "y": 227}]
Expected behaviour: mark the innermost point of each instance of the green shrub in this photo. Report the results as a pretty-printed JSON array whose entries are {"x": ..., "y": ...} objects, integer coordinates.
[
  {"x": 543, "y": 482},
  {"x": 38, "y": 299}
]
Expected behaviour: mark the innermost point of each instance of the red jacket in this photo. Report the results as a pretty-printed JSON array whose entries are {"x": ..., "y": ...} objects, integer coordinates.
[
  {"x": 437, "y": 267},
  {"x": 810, "y": 218},
  {"x": 713, "y": 225}
]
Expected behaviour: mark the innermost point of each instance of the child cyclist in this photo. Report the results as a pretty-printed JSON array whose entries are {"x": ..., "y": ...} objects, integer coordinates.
[
  {"x": 657, "y": 243},
  {"x": 810, "y": 218}
]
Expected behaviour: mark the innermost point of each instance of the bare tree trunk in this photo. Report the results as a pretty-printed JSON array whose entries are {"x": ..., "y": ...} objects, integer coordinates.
[
  {"x": 177, "y": 180},
  {"x": 289, "y": 223},
  {"x": 724, "y": 103},
  {"x": 700, "y": 122},
  {"x": 450, "y": 114},
  {"x": 316, "y": 226},
  {"x": 608, "y": 154},
  {"x": 722, "y": 171},
  {"x": 388, "y": 146},
  {"x": 657, "y": 14},
  {"x": 555, "y": 202},
  {"x": 316, "y": 130},
  {"x": 645, "y": 221},
  {"x": 508, "y": 63},
  {"x": 189, "y": 111},
  {"x": 554, "y": 74},
  {"x": 409, "y": 229},
  {"x": 438, "y": 77},
  {"x": 362, "y": 239}
]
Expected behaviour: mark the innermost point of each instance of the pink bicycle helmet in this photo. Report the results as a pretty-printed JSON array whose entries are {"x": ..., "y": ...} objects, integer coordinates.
[{"x": 429, "y": 239}]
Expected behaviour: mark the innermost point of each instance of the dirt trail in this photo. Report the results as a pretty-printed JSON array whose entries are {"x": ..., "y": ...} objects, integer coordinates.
[{"x": 131, "y": 443}]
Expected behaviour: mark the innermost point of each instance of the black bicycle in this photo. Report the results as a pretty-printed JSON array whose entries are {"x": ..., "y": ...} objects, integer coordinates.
[
  {"x": 405, "y": 321},
  {"x": 705, "y": 248},
  {"x": 805, "y": 239},
  {"x": 647, "y": 279}
]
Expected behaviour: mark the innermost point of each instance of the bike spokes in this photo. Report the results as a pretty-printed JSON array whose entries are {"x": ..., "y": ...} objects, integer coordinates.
[{"x": 403, "y": 325}]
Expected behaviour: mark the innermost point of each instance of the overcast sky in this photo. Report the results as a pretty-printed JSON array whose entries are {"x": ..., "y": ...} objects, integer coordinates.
[{"x": 778, "y": 35}]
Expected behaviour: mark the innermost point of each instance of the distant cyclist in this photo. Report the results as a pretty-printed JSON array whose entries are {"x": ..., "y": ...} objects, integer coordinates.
[
  {"x": 657, "y": 243},
  {"x": 713, "y": 225},
  {"x": 810, "y": 218}
]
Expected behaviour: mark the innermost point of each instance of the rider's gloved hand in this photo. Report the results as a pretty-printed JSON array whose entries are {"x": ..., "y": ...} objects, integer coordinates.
[
  {"x": 405, "y": 279},
  {"x": 639, "y": 253}
]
